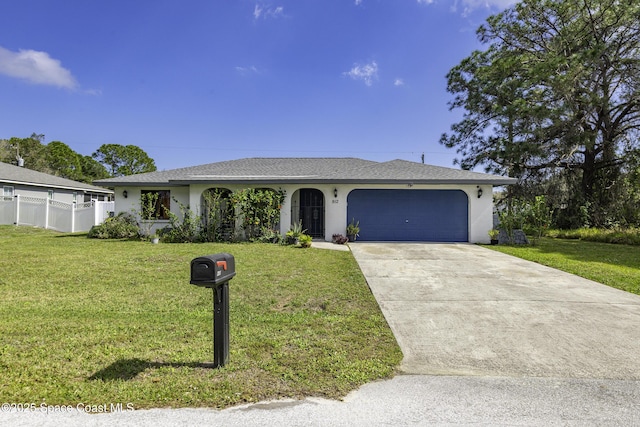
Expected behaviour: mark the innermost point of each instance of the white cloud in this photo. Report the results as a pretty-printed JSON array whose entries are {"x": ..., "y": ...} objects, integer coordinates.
[
  {"x": 93, "y": 92},
  {"x": 489, "y": 3},
  {"x": 367, "y": 72},
  {"x": 398, "y": 82},
  {"x": 257, "y": 11},
  {"x": 471, "y": 5},
  {"x": 247, "y": 70},
  {"x": 468, "y": 6},
  {"x": 35, "y": 67},
  {"x": 265, "y": 12}
]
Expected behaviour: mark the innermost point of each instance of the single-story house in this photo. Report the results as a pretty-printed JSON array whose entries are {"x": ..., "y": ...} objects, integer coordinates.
[
  {"x": 396, "y": 200},
  {"x": 16, "y": 180},
  {"x": 392, "y": 201}
]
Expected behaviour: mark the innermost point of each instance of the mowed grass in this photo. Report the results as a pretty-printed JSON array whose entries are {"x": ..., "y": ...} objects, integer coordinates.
[
  {"x": 614, "y": 265},
  {"x": 92, "y": 321}
]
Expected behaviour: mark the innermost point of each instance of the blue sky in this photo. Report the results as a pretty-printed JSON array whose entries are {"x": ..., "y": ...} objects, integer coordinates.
[{"x": 200, "y": 81}]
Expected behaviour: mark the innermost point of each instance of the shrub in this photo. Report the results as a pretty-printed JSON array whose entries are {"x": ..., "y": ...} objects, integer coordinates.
[
  {"x": 533, "y": 217},
  {"x": 626, "y": 236},
  {"x": 538, "y": 217},
  {"x": 353, "y": 229},
  {"x": 268, "y": 235},
  {"x": 184, "y": 231},
  {"x": 305, "y": 240},
  {"x": 512, "y": 217},
  {"x": 218, "y": 216},
  {"x": 121, "y": 226},
  {"x": 260, "y": 209},
  {"x": 339, "y": 239},
  {"x": 294, "y": 233}
]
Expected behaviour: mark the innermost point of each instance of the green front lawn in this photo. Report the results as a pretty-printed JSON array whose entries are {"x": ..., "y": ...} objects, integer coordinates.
[
  {"x": 93, "y": 321},
  {"x": 612, "y": 264}
]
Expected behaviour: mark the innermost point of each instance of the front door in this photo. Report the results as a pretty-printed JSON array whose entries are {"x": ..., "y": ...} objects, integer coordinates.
[{"x": 312, "y": 211}]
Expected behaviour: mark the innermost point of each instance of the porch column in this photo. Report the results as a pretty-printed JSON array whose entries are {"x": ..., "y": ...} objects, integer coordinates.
[{"x": 285, "y": 212}]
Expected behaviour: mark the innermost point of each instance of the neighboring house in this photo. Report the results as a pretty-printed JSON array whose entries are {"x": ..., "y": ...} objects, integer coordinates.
[
  {"x": 393, "y": 201},
  {"x": 38, "y": 199},
  {"x": 17, "y": 180}
]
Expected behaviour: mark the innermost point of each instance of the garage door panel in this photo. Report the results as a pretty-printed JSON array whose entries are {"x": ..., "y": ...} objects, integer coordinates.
[{"x": 410, "y": 215}]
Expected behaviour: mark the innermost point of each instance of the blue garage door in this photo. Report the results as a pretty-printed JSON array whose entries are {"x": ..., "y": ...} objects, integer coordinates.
[{"x": 410, "y": 215}]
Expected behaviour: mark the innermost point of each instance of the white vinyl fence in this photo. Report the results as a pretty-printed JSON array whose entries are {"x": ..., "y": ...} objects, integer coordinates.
[{"x": 59, "y": 216}]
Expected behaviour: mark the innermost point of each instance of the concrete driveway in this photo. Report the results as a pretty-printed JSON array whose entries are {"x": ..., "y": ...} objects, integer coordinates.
[{"x": 461, "y": 309}]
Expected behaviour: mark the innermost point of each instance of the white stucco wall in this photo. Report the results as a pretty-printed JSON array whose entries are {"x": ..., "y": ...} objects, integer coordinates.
[
  {"x": 131, "y": 203},
  {"x": 480, "y": 209},
  {"x": 480, "y": 213}
]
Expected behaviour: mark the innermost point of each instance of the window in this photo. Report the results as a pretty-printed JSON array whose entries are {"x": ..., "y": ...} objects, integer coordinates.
[
  {"x": 50, "y": 194},
  {"x": 7, "y": 191},
  {"x": 155, "y": 204}
]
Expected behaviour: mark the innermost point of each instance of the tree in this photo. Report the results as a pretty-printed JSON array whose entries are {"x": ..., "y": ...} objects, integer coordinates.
[
  {"x": 57, "y": 158},
  {"x": 557, "y": 89},
  {"x": 63, "y": 161},
  {"x": 124, "y": 160},
  {"x": 7, "y": 154},
  {"x": 30, "y": 149},
  {"x": 92, "y": 170}
]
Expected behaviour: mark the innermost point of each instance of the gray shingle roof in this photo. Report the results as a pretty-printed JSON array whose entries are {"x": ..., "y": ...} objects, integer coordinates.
[
  {"x": 11, "y": 174},
  {"x": 310, "y": 170}
]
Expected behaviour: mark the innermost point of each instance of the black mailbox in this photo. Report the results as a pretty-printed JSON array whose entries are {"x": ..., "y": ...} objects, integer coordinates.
[
  {"x": 212, "y": 270},
  {"x": 215, "y": 271}
]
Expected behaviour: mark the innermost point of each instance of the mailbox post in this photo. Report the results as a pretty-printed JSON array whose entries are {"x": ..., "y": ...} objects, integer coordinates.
[{"x": 215, "y": 271}]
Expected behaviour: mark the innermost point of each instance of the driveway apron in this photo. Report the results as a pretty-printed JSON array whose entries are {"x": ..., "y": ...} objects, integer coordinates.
[{"x": 461, "y": 309}]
